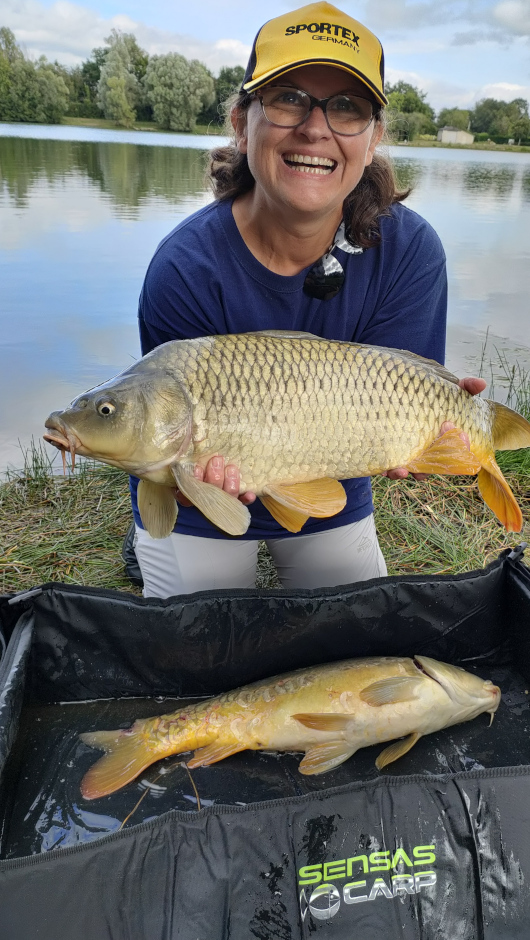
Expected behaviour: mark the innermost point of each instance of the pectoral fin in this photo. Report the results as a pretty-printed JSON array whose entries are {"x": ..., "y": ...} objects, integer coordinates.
[
  {"x": 447, "y": 454},
  {"x": 390, "y": 691},
  {"x": 157, "y": 507},
  {"x": 225, "y": 511},
  {"x": 323, "y": 757},
  {"x": 204, "y": 756},
  {"x": 498, "y": 496},
  {"x": 325, "y": 722},
  {"x": 319, "y": 498},
  {"x": 397, "y": 749}
]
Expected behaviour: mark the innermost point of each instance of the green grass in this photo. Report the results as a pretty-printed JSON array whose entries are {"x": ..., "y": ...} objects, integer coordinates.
[
  {"x": 441, "y": 525},
  {"x": 69, "y": 529},
  {"x": 476, "y": 145},
  {"x": 208, "y": 129}
]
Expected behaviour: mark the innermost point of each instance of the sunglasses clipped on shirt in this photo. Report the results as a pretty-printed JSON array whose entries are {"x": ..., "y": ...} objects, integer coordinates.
[{"x": 326, "y": 277}]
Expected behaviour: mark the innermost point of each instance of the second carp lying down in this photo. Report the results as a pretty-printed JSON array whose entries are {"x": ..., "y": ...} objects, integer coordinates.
[
  {"x": 296, "y": 414},
  {"x": 327, "y": 711}
]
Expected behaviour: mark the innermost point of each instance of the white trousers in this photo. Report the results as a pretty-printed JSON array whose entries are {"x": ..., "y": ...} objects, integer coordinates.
[{"x": 181, "y": 564}]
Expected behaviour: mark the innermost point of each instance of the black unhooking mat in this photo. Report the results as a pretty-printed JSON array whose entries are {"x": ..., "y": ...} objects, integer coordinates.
[{"x": 435, "y": 848}]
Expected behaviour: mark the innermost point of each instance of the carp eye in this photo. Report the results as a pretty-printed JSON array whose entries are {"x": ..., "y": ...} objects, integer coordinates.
[{"x": 105, "y": 408}]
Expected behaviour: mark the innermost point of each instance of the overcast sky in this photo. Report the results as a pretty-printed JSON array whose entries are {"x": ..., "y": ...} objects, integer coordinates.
[{"x": 457, "y": 51}]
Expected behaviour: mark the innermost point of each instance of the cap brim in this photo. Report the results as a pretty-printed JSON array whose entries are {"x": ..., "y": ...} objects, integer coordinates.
[{"x": 277, "y": 73}]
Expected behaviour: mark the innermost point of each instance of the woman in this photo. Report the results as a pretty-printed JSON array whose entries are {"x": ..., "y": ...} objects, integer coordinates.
[{"x": 307, "y": 233}]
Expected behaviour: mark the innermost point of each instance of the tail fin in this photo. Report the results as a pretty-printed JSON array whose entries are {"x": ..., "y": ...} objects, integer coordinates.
[
  {"x": 498, "y": 496},
  {"x": 127, "y": 754},
  {"x": 510, "y": 430}
]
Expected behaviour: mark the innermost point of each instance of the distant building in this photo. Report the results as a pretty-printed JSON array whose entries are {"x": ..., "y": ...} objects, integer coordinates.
[{"x": 453, "y": 135}]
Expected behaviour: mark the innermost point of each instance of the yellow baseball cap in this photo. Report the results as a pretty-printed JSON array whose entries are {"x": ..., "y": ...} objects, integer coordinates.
[{"x": 316, "y": 34}]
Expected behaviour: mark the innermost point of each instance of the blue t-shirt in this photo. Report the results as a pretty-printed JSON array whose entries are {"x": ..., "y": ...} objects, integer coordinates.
[{"x": 203, "y": 280}]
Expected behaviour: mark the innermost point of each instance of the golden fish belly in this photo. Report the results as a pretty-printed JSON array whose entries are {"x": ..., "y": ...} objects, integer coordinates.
[
  {"x": 260, "y": 716},
  {"x": 325, "y": 409}
]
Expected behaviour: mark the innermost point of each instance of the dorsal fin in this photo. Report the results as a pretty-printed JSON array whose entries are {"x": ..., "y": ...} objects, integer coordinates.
[{"x": 286, "y": 334}]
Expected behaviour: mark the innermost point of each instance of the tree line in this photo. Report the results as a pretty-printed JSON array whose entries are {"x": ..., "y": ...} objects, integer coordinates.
[
  {"x": 121, "y": 82},
  {"x": 411, "y": 116}
]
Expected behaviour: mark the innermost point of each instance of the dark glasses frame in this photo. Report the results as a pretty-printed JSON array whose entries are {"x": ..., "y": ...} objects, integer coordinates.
[{"x": 316, "y": 103}]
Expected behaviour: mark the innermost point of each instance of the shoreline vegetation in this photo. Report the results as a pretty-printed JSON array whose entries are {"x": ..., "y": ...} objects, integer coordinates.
[
  {"x": 121, "y": 82},
  {"x": 215, "y": 130},
  {"x": 70, "y": 529}
]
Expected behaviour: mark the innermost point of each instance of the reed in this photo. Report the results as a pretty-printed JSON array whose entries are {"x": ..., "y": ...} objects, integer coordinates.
[{"x": 55, "y": 528}]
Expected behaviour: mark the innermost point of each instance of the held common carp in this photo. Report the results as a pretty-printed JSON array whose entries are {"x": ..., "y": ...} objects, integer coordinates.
[
  {"x": 327, "y": 711},
  {"x": 296, "y": 413}
]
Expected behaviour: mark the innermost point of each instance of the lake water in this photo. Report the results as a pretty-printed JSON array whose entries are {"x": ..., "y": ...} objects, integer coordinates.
[{"x": 82, "y": 210}]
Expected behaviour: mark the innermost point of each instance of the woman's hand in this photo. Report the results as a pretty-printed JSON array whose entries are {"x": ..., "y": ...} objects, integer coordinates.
[
  {"x": 226, "y": 478},
  {"x": 474, "y": 386}
]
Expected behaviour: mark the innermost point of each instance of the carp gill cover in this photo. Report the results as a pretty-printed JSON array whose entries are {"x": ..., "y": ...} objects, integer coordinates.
[
  {"x": 327, "y": 711},
  {"x": 296, "y": 414}
]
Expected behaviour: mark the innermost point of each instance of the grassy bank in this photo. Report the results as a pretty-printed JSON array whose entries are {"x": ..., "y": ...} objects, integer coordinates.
[
  {"x": 71, "y": 529},
  {"x": 55, "y": 528},
  {"x": 214, "y": 130},
  {"x": 478, "y": 145},
  {"x": 208, "y": 129}
]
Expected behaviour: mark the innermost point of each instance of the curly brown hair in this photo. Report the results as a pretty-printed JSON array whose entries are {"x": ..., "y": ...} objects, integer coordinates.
[{"x": 229, "y": 175}]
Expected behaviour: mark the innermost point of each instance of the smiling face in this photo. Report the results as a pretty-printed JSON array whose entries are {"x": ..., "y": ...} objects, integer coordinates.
[{"x": 307, "y": 169}]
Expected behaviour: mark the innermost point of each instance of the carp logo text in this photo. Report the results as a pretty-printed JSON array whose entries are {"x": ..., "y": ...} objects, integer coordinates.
[{"x": 323, "y": 899}]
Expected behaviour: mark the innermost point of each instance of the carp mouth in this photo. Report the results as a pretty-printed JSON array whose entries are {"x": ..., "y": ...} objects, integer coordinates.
[
  {"x": 422, "y": 664},
  {"x": 60, "y": 438}
]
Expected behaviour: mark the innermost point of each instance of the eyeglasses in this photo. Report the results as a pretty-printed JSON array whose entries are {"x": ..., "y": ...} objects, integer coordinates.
[
  {"x": 283, "y": 106},
  {"x": 325, "y": 279}
]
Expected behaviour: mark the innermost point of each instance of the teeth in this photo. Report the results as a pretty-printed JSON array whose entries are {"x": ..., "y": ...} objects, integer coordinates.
[
  {"x": 310, "y": 161},
  {"x": 312, "y": 169}
]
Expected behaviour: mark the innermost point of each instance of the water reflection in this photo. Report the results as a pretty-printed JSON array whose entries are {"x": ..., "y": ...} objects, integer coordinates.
[
  {"x": 525, "y": 188},
  {"x": 81, "y": 219},
  {"x": 408, "y": 173},
  {"x": 128, "y": 174},
  {"x": 498, "y": 181},
  {"x": 475, "y": 178}
]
